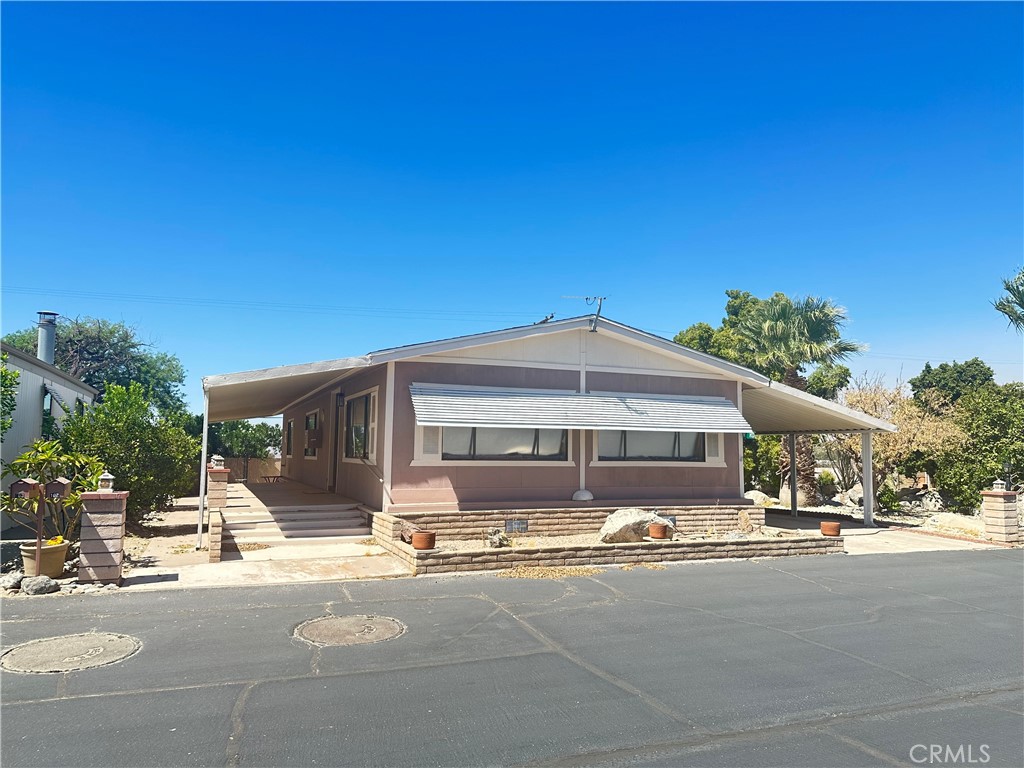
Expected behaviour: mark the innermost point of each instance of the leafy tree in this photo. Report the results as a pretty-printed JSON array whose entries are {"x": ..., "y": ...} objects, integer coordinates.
[
  {"x": 249, "y": 440},
  {"x": 8, "y": 395},
  {"x": 1012, "y": 304},
  {"x": 46, "y": 460},
  {"x": 150, "y": 455},
  {"x": 992, "y": 418},
  {"x": 828, "y": 380},
  {"x": 783, "y": 337},
  {"x": 953, "y": 380},
  {"x": 922, "y": 429},
  {"x": 101, "y": 352}
]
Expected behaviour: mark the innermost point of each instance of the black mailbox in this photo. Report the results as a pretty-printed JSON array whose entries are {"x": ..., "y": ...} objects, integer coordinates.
[
  {"x": 58, "y": 489},
  {"x": 26, "y": 488}
]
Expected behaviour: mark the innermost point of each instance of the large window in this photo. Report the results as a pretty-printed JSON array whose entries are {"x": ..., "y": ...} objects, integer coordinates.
[
  {"x": 360, "y": 426},
  {"x": 504, "y": 444},
  {"x": 628, "y": 445}
]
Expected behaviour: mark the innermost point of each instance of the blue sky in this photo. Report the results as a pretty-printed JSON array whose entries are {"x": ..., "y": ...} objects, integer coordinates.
[{"x": 263, "y": 184}]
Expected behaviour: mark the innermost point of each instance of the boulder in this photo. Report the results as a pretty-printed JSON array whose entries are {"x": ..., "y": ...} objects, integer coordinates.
[
  {"x": 932, "y": 501},
  {"x": 497, "y": 538},
  {"x": 630, "y": 524},
  {"x": 39, "y": 585},
  {"x": 11, "y": 580},
  {"x": 760, "y": 499}
]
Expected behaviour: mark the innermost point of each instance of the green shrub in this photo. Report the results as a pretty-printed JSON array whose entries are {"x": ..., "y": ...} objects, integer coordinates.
[
  {"x": 887, "y": 497},
  {"x": 827, "y": 485},
  {"x": 149, "y": 455}
]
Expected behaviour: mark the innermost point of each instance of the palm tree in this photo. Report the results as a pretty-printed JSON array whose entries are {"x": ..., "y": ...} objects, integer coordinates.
[
  {"x": 782, "y": 336},
  {"x": 1012, "y": 304}
]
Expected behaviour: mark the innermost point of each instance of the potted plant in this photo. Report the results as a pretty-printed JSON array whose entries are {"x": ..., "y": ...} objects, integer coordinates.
[
  {"x": 423, "y": 539},
  {"x": 52, "y": 519}
]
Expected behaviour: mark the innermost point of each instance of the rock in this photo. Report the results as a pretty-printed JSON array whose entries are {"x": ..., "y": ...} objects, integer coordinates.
[
  {"x": 39, "y": 585},
  {"x": 630, "y": 525},
  {"x": 745, "y": 525},
  {"x": 855, "y": 496},
  {"x": 111, "y": 588},
  {"x": 760, "y": 499},
  {"x": 497, "y": 538},
  {"x": 931, "y": 501},
  {"x": 11, "y": 580}
]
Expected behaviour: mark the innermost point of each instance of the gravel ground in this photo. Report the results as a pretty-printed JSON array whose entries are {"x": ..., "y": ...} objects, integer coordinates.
[{"x": 577, "y": 540}]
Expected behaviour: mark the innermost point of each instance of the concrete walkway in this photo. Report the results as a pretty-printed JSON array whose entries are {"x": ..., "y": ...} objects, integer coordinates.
[
  {"x": 876, "y": 541},
  {"x": 290, "y": 570}
]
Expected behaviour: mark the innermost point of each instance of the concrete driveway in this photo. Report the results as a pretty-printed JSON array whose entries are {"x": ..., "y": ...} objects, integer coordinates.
[
  {"x": 818, "y": 661},
  {"x": 859, "y": 540}
]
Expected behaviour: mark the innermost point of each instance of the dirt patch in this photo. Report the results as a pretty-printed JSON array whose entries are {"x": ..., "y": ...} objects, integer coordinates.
[
  {"x": 648, "y": 566},
  {"x": 548, "y": 572},
  {"x": 164, "y": 540}
]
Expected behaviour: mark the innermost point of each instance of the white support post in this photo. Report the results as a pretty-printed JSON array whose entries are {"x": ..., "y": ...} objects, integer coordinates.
[
  {"x": 792, "y": 474},
  {"x": 202, "y": 469},
  {"x": 867, "y": 479}
]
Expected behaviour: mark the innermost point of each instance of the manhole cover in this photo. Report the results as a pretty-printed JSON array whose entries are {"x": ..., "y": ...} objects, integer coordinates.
[
  {"x": 349, "y": 630},
  {"x": 70, "y": 652}
]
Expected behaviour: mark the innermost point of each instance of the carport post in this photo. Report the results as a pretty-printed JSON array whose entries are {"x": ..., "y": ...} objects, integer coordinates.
[
  {"x": 792, "y": 473},
  {"x": 202, "y": 468},
  {"x": 867, "y": 481}
]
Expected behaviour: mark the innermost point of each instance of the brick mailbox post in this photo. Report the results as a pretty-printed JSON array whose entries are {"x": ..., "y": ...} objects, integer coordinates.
[
  {"x": 101, "y": 548},
  {"x": 999, "y": 511},
  {"x": 217, "y": 484}
]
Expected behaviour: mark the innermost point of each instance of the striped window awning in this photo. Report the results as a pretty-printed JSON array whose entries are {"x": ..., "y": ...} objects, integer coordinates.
[{"x": 449, "y": 406}]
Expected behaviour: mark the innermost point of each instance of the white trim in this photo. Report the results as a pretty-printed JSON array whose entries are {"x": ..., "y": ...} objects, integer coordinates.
[
  {"x": 739, "y": 438},
  {"x": 491, "y": 361},
  {"x": 371, "y": 428},
  {"x": 479, "y": 388},
  {"x": 389, "y": 425},
  {"x": 434, "y": 460},
  {"x": 717, "y": 462},
  {"x": 657, "y": 372},
  {"x": 305, "y": 435}
]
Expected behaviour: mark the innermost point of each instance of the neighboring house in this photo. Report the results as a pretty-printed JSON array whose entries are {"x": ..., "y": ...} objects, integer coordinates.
[
  {"x": 577, "y": 412},
  {"x": 42, "y": 389}
]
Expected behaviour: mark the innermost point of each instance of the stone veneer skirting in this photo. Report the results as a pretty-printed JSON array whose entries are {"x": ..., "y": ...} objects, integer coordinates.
[{"x": 387, "y": 527}]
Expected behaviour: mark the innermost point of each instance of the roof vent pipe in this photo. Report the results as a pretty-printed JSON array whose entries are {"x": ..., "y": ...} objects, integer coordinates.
[{"x": 47, "y": 337}]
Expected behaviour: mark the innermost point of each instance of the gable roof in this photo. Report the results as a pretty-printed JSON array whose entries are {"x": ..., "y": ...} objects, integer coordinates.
[{"x": 268, "y": 391}]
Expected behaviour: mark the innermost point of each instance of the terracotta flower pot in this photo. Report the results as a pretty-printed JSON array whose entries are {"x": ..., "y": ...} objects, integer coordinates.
[
  {"x": 423, "y": 539},
  {"x": 829, "y": 528},
  {"x": 658, "y": 530},
  {"x": 52, "y": 559}
]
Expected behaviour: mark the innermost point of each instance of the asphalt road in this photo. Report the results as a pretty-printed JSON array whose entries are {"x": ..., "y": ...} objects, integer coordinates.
[{"x": 819, "y": 661}]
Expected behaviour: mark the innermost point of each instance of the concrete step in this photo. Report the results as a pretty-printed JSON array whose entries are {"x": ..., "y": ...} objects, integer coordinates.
[
  {"x": 294, "y": 519},
  {"x": 294, "y": 530},
  {"x": 297, "y": 525},
  {"x": 307, "y": 537}
]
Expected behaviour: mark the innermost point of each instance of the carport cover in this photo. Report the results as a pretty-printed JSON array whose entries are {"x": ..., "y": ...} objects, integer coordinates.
[{"x": 547, "y": 409}]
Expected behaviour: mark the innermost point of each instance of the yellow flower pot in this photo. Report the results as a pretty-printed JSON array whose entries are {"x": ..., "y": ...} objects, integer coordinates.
[{"x": 52, "y": 564}]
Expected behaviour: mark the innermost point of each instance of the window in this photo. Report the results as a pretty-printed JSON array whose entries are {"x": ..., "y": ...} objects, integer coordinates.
[
  {"x": 312, "y": 435},
  {"x": 361, "y": 427},
  {"x": 628, "y": 445},
  {"x": 289, "y": 438},
  {"x": 504, "y": 444}
]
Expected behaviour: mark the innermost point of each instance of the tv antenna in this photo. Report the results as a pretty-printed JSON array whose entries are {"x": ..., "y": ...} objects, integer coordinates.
[{"x": 591, "y": 301}]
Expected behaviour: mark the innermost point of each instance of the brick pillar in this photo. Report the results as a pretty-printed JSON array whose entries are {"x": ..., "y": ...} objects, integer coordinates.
[
  {"x": 217, "y": 487},
  {"x": 999, "y": 511},
  {"x": 102, "y": 542},
  {"x": 216, "y": 530}
]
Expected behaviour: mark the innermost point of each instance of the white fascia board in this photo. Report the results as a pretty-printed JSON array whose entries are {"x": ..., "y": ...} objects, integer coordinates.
[
  {"x": 870, "y": 423},
  {"x": 285, "y": 371}
]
